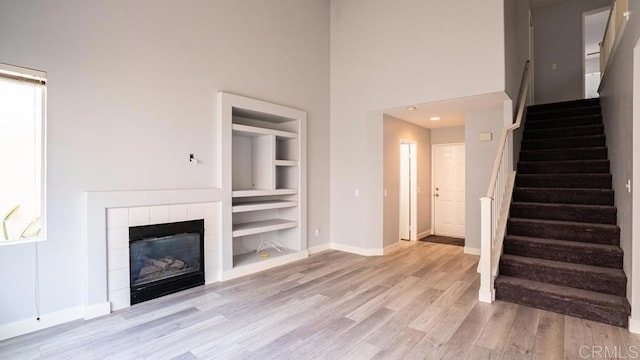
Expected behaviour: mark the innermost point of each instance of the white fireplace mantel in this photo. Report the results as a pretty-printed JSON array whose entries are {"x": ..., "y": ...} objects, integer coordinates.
[{"x": 97, "y": 204}]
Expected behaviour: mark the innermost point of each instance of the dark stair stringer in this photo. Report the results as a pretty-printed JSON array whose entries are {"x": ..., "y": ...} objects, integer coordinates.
[{"x": 562, "y": 247}]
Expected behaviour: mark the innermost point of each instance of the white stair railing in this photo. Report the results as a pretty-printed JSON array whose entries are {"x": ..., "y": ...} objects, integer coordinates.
[{"x": 494, "y": 207}]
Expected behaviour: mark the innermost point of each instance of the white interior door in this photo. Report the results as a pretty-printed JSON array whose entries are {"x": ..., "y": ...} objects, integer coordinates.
[
  {"x": 448, "y": 195},
  {"x": 405, "y": 192}
]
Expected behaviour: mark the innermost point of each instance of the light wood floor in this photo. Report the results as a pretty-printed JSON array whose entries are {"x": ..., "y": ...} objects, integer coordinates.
[{"x": 417, "y": 303}]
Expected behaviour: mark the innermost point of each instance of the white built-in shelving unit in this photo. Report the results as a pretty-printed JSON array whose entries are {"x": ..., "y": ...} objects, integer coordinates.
[{"x": 262, "y": 173}]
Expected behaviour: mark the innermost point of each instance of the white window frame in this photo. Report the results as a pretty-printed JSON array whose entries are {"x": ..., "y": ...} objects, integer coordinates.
[{"x": 37, "y": 76}]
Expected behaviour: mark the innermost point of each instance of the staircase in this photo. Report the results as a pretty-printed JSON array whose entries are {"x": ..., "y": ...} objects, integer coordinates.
[{"x": 561, "y": 252}]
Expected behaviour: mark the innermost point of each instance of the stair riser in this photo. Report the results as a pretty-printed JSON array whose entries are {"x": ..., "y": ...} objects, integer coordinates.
[
  {"x": 591, "y": 281},
  {"x": 573, "y": 307},
  {"x": 564, "y": 213},
  {"x": 586, "y": 167},
  {"x": 571, "y": 232},
  {"x": 563, "y": 133},
  {"x": 564, "y": 143},
  {"x": 563, "y": 113},
  {"x": 564, "y": 154},
  {"x": 563, "y": 123},
  {"x": 590, "y": 181},
  {"x": 561, "y": 252},
  {"x": 563, "y": 105},
  {"x": 562, "y": 196}
]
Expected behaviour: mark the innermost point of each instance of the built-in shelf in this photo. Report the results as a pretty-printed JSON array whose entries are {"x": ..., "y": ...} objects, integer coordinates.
[
  {"x": 252, "y": 131},
  {"x": 286, "y": 163},
  {"x": 253, "y": 257},
  {"x": 263, "y": 174},
  {"x": 262, "y": 226},
  {"x": 259, "y": 192},
  {"x": 262, "y": 205}
]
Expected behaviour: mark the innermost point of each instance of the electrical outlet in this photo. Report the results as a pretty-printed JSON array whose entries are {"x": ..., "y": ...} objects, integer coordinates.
[
  {"x": 317, "y": 232},
  {"x": 356, "y": 192}
]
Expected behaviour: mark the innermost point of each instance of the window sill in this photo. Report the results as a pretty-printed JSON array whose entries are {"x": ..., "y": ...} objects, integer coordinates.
[{"x": 21, "y": 241}]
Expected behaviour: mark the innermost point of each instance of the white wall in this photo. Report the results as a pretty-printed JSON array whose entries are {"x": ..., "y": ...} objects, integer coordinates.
[
  {"x": 447, "y": 135},
  {"x": 132, "y": 90},
  {"x": 558, "y": 40},
  {"x": 390, "y": 53},
  {"x": 617, "y": 100},
  {"x": 516, "y": 38},
  {"x": 395, "y": 130},
  {"x": 479, "y": 159}
]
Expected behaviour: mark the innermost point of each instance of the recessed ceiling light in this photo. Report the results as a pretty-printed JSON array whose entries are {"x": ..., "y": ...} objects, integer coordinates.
[
  {"x": 411, "y": 108},
  {"x": 435, "y": 118}
]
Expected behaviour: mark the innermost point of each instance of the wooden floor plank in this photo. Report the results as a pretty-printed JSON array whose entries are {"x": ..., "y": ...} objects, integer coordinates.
[{"x": 419, "y": 302}]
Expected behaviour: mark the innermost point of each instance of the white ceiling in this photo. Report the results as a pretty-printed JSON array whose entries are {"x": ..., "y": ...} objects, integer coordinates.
[{"x": 451, "y": 112}]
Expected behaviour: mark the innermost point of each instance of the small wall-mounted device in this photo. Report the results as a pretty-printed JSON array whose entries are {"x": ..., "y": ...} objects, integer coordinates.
[
  {"x": 193, "y": 159},
  {"x": 486, "y": 136}
]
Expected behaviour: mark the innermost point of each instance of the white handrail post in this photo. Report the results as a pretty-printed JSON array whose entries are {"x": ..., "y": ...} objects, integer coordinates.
[{"x": 487, "y": 292}]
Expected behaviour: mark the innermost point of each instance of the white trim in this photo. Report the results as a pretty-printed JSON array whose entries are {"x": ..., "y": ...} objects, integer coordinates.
[
  {"x": 97, "y": 310},
  {"x": 28, "y": 325},
  {"x": 319, "y": 248},
  {"x": 391, "y": 248},
  {"x": 357, "y": 250},
  {"x": 433, "y": 186},
  {"x": 425, "y": 233},
  {"x": 23, "y": 72},
  {"x": 472, "y": 250},
  {"x": 413, "y": 190},
  {"x": 634, "y": 325}
]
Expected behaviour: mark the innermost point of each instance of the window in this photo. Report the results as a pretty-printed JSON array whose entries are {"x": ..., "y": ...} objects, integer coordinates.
[{"x": 22, "y": 154}]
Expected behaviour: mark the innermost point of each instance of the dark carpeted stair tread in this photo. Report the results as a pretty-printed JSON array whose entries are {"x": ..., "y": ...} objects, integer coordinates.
[
  {"x": 564, "y": 167},
  {"x": 587, "y": 153},
  {"x": 564, "y": 196},
  {"x": 563, "y": 113},
  {"x": 563, "y": 105},
  {"x": 610, "y": 256},
  {"x": 586, "y": 277},
  {"x": 585, "y": 130},
  {"x": 584, "y": 304},
  {"x": 599, "y": 214},
  {"x": 565, "y": 230},
  {"x": 570, "y": 121},
  {"x": 575, "y": 181},
  {"x": 564, "y": 142}
]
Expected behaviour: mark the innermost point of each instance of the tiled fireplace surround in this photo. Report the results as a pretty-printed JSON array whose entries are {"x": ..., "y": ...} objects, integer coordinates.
[{"x": 109, "y": 216}]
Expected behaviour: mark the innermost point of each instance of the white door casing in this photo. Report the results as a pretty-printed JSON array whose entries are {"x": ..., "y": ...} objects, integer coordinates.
[{"x": 449, "y": 190}]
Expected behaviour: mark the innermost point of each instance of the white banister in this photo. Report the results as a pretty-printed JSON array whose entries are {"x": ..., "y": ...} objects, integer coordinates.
[{"x": 494, "y": 207}]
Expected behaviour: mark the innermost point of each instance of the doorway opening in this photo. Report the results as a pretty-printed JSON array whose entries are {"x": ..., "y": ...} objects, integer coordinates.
[
  {"x": 594, "y": 24},
  {"x": 408, "y": 190},
  {"x": 448, "y": 190}
]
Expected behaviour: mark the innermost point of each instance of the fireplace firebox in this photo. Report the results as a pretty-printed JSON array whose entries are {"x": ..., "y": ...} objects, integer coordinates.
[{"x": 165, "y": 258}]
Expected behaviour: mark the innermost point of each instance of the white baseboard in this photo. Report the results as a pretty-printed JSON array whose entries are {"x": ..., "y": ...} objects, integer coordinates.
[
  {"x": 471, "y": 250},
  {"x": 97, "y": 310},
  {"x": 391, "y": 248},
  {"x": 25, "y": 326},
  {"x": 634, "y": 325},
  {"x": 319, "y": 248},
  {"x": 424, "y": 234},
  {"x": 357, "y": 250}
]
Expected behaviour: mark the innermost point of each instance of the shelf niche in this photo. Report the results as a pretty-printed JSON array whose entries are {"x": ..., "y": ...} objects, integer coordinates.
[{"x": 263, "y": 172}]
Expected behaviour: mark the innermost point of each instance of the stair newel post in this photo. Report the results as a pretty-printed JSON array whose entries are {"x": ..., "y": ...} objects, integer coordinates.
[{"x": 487, "y": 291}]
